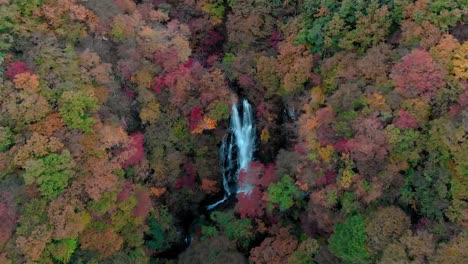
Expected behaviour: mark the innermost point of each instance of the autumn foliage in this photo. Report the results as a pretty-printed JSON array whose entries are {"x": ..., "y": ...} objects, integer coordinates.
[
  {"x": 113, "y": 112},
  {"x": 417, "y": 75}
]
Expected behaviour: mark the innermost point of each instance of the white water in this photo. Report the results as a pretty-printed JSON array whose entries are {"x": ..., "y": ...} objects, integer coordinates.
[{"x": 240, "y": 141}]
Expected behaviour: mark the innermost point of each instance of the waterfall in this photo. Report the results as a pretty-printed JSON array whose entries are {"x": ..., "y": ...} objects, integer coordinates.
[{"x": 237, "y": 148}]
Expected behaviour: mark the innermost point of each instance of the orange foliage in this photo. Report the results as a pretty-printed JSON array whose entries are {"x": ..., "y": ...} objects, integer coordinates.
[
  {"x": 126, "y": 5},
  {"x": 158, "y": 191},
  {"x": 101, "y": 93},
  {"x": 295, "y": 64},
  {"x": 112, "y": 136},
  {"x": 209, "y": 186},
  {"x": 206, "y": 124},
  {"x": 274, "y": 250},
  {"x": 303, "y": 186},
  {"x": 100, "y": 177},
  {"x": 106, "y": 242},
  {"x": 27, "y": 81},
  {"x": 37, "y": 146},
  {"x": 49, "y": 126},
  {"x": 33, "y": 246},
  {"x": 3, "y": 256},
  {"x": 158, "y": 16},
  {"x": 67, "y": 217}
]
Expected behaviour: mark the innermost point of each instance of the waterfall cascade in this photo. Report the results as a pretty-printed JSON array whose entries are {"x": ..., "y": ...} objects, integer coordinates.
[{"x": 237, "y": 149}]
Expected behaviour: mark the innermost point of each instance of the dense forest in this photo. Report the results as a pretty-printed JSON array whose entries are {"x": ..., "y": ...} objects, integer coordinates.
[{"x": 113, "y": 114}]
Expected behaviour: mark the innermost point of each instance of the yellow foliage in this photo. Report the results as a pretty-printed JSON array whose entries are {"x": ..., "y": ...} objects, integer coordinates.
[
  {"x": 317, "y": 97},
  {"x": 265, "y": 135},
  {"x": 37, "y": 146},
  {"x": 27, "y": 81},
  {"x": 150, "y": 113},
  {"x": 346, "y": 178},
  {"x": 143, "y": 78},
  {"x": 182, "y": 46},
  {"x": 326, "y": 153},
  {"x": 112, "y": 135},
  {"x": 377, "y": 102},
  {"x": 460, "y": 62},
  {"x": 443, "y": 52}
]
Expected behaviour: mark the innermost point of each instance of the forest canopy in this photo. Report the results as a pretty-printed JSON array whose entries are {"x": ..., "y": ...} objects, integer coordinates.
[{"x": 114, "y": 114}]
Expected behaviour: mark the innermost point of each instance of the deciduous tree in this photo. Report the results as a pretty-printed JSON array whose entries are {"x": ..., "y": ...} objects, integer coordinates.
[{"x": 417, "y": 75}]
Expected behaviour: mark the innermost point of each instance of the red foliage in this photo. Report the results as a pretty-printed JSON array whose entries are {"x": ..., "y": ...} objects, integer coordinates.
[
  {"x": 195, "y": 118},
  {"x": 188, "y": 179},
  {"x": 143, "y": 203},
  {"x": 274, "y": 250},
  {"x": 245, "y": 81},
  {"x": 328, "y": 178},
  {"x": 263, "y": 109},
  {"x": 268, "y": 176},
  {"x": 370, "y": 142},
  {"x": 134, "y": 152},
  {"x": 15, "y": 68},
  {"x": 179, "y": 81},
  {"x": 125, "y": 193},
  {"x": 129, "y": 93},
  {"x": 125, "y": 5},
  {"x": 211, "y": 60},
  {"x": 159, "y": 83},
  {"x": 301, "y": 149},
  {"x": 253, "y": 181},
  {"x": 417, "y": 74},
  {"x": 326, "y": 134},
  {"x": 405, "y": 121},
  {"x": 250, "y": 204},
  {"x": 7, "y": 216},
  {"x": 454, "y": 110},
  {"x": 275, "y": 38},
  {"x": 341, "y": 145},
  {"x": 212, "y": 40},
  {"x": 315, "y": 79},
  {"x": 423, "y": 224},
  {"x": 127, "y": 68},
  {"x": 168, "y": 59},
  {"x": 463, "y": 99}
]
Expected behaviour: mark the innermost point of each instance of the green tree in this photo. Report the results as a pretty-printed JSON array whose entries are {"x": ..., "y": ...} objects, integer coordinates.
[
  {"x": 234, "y": 229},
  {"x": 349, "y": 240},
  {"x": 34, "y": 214},
  {"x": 157, "y": 236},
  {"x": 62, "y": 250},
  {"x": 162, "y": 232},
  {"x": 283, "y": 193},
  {"x": 6, "y": 139},
  {"x": 75, "y": 107},
  {"x": 50, "y": 172}
]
